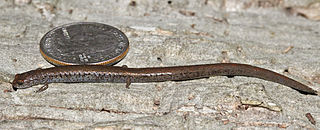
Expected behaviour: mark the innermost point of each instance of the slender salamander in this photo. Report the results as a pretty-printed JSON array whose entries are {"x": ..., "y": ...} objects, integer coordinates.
[{"x": 98, "y": 74}]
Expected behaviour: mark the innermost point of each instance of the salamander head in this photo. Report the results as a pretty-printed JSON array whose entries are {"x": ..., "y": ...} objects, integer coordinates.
[{"x": 22, "y": 81}]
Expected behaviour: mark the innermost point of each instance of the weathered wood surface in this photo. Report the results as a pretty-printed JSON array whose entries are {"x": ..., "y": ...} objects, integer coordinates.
[{"x": 164, "y": 34}]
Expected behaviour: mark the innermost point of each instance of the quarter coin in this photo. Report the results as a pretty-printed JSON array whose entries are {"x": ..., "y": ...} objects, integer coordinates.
[{"x": 84, "y": 43}]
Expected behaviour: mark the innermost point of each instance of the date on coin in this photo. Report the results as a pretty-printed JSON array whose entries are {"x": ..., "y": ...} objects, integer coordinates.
[{"x": 84, "y": 43}]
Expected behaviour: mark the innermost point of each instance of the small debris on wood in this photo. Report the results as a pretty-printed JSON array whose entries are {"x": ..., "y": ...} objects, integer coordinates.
[
  {"x": 193, "y": 25},
  {"x": 221, "y": 20},
  {"x": 156, "y": 102},
  {"x": 159, "y": 59},
  {"x": 316, "y": 78},
  {"x": 187, "y": 13},
  {"x": 287, "y": 50},
  {"x": 163, "y": 32},
  {"x": 133, "y": 3},
  {"x": 312, "y": 11},
  {"x": 47, "y": 10},
  {"x": 310, "y": 118},
  {"x": 7, "y": 91},
  {"x": 14, "y": 60},
  {"x": 242, "y": 107},
  {"x": 269, "y": 3},
  {"x": 22, "y": 2},
  {"x": 206, "y": 2},
  {"x": 226, "y": 33},
  {"x": 225, "y": 57},
  {"x": 190, "y": 97},
  {"x": 70, "y": 11},
  {"x": 225, "y": 121}
]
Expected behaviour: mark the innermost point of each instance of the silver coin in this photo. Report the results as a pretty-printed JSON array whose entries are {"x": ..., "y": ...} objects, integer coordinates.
[{"x": 84, "y": 43}]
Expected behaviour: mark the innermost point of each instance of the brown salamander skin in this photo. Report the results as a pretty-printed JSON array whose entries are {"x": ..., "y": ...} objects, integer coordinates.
[{"x": 99, "y": 74}]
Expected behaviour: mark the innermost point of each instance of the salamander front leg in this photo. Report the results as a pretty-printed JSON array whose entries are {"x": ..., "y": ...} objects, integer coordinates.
[
  {"x": 128, "y": 81},
  {"x": 44, "y": 87}
]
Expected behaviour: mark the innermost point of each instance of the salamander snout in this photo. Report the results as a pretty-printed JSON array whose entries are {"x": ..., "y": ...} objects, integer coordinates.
[{"x": 19, "y": 82}]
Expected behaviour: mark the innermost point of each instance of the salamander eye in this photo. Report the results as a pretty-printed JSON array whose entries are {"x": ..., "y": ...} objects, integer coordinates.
[{"x": 20, "y": 82}]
